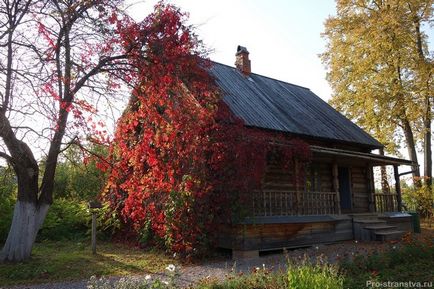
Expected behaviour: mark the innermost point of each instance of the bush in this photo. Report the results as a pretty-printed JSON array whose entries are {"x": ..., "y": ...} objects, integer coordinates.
[
  {"x": 75, "y": 183},
  {"x": 6, "y": 212},
  {"x": 78, "y": 177},
  {"x": 66, "y": 219},
  {"x": 420, "y": 200},
  {"x": 8, "y": 190}
]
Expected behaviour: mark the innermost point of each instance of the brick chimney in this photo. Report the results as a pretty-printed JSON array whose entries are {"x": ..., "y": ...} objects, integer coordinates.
[{"x": 242, "y": 62}]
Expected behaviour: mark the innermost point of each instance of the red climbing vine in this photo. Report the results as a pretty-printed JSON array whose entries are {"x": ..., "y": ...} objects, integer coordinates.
[{"x": 180, "y": 157}]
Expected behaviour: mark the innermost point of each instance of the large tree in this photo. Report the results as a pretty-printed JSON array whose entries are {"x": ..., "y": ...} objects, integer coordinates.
[
  {"x": 58, "y": 63},
  {"x": 380, "y": 70}
]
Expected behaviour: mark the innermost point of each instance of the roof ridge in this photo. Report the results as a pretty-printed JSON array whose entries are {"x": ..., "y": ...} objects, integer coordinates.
[{"x": 300, "y": 86}]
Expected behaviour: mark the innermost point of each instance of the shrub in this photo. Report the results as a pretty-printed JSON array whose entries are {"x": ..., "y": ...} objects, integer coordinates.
[
  {"x": 6, "y": 212},
  {"x": 66, "y": 219},
  {"x": 420, "y": 200},
  {"x": 8, "y": 189},
  {"x": 78, "y": 177}
]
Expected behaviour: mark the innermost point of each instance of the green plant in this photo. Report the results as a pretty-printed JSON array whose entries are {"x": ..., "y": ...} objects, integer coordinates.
[
  {"x": 314, "y": 276},
  {"x": 8, "y": 187},
  {"x": 412, "y": 262},
  {"x": 78, "y": 177},
  {"x": 420, "y": 200},
  {"x": 66, "y": 219}
]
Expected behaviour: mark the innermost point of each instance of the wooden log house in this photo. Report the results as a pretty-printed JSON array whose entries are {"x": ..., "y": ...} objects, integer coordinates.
[{"x": 337, "y": 201}]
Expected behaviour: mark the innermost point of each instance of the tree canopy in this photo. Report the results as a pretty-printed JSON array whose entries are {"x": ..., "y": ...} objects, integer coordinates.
[
  {"x": 381, "y": 70},
  {"x": 60, "y": 70}
]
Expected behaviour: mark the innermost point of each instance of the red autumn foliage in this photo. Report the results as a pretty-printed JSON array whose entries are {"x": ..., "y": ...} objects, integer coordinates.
[{"x": 181, "y": 158}]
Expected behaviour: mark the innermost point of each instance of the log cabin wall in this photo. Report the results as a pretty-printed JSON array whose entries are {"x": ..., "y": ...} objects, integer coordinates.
[
  {"x": 278, "y": 194},
  {"x": 317, "y": 176},
  {"x": 360, "y": 189},
  {"x": 278, "y": 178}
]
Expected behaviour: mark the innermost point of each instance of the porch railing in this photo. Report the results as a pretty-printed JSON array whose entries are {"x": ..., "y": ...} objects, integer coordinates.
[
  {"x": 290, "y": 203},
  {"x": 386, "y": 203}
]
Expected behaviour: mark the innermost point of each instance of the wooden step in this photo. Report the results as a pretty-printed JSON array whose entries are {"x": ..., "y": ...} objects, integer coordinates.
[
  {"x": 364, "y": 215},
  {"x": 369, "y": 221},
  {"x": 360, "y": 231},
  {"x": 388, "y": 235},
  {"x": 380, "y": 227}
]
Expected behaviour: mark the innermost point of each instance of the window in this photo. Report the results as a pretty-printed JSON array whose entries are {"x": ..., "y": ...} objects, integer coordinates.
[{"x": 313, "y": 179}]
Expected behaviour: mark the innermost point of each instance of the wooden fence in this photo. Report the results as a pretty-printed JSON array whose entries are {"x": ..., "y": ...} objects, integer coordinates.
[{"x": 290, "y": 203}]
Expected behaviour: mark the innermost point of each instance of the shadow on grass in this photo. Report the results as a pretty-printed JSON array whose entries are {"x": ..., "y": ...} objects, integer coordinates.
[{"x": 67, "y": 261}]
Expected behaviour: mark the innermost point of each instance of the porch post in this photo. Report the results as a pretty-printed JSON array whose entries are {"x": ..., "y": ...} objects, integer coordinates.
[
  {"x": 297, "y": 189},
  {"x": 336, "y": 186},
  {"x": 370, "y": 176},
  {"x": 397, "y": 187}
]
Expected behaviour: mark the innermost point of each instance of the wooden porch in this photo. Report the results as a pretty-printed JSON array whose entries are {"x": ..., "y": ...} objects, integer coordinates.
[
  {"x": 332, "y": 200},
  {"x": 292, "y": 203}
]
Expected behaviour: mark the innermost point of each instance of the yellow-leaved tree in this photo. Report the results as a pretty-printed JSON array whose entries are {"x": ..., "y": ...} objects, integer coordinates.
[{"x": 381, "y": 71}]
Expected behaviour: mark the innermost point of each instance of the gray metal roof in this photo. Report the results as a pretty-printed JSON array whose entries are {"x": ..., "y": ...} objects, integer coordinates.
[{"x": 268, "y": 103}]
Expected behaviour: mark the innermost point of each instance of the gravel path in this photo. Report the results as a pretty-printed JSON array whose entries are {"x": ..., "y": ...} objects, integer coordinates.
[{"x": 190, "y": 274}]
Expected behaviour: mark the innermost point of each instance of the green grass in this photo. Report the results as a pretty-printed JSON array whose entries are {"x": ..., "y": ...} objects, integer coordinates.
[
  {"x": 413, "y": 262},
  {"x": 69, "y": 260},
  {"x": 297, "y": 276},
  {"x": 259, "y": 280}
]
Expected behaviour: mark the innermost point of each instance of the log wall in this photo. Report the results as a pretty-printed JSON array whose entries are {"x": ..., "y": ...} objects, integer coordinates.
[
  {"x": 360, "y": 189},
  {"x": 284, "y": 180}
]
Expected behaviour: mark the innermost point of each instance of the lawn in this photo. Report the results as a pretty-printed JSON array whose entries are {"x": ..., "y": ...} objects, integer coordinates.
[
  {"x": 412, "y": 259},
  {"x": 69, "y": 260}
]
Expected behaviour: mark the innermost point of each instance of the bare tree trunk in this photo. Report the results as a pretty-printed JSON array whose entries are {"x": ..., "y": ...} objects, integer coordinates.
[
  {"x": 384, "y": 182},
  {"x": 425, "y": 79},
  {"x": 411, "y": 147},
  {"x": 27, "y": 220},
  {"x": 427, "y": 149}
]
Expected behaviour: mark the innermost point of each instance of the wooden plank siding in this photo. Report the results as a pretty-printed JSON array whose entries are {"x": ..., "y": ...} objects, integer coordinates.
[{"x": 285, "y": 235}]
